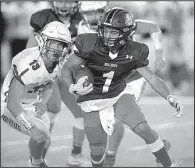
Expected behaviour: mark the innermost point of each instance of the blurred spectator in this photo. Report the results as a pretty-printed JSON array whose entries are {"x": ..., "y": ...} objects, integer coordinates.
[
  {"x": 177, "y": 70},
  {"x": 2, "y": 27},
  {"x": 17, "y": 18},
  {"x": 2, "y": 31}
]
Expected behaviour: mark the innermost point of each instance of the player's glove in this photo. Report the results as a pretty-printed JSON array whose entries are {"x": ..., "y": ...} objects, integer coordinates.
[
  {"x": 34, "y": 127},
  {"x": 40, "y": 108},
  {"x": 79, "y": 88},
  {"x": 175, "y": 103}
]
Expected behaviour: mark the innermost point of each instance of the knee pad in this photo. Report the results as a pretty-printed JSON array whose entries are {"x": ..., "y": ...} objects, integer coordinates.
[
  {"x": 141, "y": 127},
  {"x": 79, "y": 123},
  {"x": 48, "y": 143},
  {"x": 43, "y": 129},
  {"x": 54, "y": 108},
  {"x": 51, "y": 116},
  {"x": 97, "y": 153}
]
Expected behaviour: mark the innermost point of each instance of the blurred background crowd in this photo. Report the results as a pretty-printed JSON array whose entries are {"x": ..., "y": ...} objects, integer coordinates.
[{"x": 175, "y": 18}]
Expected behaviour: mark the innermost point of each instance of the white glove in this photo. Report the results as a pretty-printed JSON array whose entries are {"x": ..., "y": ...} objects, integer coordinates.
[
  {"x": 79, "y": 89},
  {"x": 40, "y": 108},
  {"x": 175, "y": 103}
]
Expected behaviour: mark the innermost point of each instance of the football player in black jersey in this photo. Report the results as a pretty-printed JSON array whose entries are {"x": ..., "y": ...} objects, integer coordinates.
[
  {"x": 67, "y": 13},
  {"x": 91, "y": 12},
  {"x": 111, "y": 55}
]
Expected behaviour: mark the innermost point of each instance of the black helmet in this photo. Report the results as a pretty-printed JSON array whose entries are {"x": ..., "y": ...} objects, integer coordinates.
[{"x": 120, "y": 20}]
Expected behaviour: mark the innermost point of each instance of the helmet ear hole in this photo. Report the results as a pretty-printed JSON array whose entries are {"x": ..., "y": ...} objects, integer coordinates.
[{"x": 125, "y": 29}]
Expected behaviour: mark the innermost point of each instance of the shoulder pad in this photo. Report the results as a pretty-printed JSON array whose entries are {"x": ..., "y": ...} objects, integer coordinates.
[
  {"x": 140, "y": 51},
  {"x": 86, "y": 42},
  {"x": 21, "y": 66}
]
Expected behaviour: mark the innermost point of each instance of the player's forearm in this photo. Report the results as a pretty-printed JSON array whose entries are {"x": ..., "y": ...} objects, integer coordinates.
[
  {"x": 67, "y": 76},
  {"x": 156, "y": 83},
  {"x": 46, "y": 94},
  {"x": 157, "y": 38},
  {"x": 133, "y": 77},
  {"x": 20, "y": 115},
  {"x": 159, "y": 86},
  {"x": 14, "y": 107},
  {"x": 15, "y": 93},
  {"x": 146, "y": 26},
  {"x": 73, "y": 61}
]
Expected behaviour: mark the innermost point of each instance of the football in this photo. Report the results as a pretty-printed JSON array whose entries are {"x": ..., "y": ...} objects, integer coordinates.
[{"x": 80, "y": 71}]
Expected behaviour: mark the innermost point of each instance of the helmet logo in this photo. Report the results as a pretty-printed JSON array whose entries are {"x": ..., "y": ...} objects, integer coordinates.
[
  {"x": 125, "y": 29},
  {"x": 128, "y": 20},
  {"x": 121, "y": 42}
]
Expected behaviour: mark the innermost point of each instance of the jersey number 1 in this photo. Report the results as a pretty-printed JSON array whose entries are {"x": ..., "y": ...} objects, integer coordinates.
[{"x": 109, "y": 76}]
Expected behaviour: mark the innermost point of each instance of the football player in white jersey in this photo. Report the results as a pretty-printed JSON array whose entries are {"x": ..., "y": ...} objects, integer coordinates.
[
  {"x": 29, "y": 84},
  {"x": 67, "y": 13},
  {"x": 91, "y": 12}
]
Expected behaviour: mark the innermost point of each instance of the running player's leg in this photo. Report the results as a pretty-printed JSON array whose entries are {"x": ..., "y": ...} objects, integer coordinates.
[
  {"x": 76, "y": 158},
  {"x": 127, "y": 110},
  {"x": 113, "y": 143},
  {"x": 96, "y": 136},
  {"x": 137, "y": 88},
  {"x": 36, "y": 148}
]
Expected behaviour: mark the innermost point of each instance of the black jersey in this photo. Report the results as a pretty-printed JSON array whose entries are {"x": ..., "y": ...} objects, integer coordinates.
[
  {"x": 41, "y": 18},
  {"x": 109, "y": 71}
]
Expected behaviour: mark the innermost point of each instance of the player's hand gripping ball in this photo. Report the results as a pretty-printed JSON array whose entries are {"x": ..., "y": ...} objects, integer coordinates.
[{"x": 83, "y": 80}]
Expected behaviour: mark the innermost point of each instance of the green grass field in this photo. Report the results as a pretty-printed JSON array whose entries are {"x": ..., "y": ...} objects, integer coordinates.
[{"x": 132, "y": 152}]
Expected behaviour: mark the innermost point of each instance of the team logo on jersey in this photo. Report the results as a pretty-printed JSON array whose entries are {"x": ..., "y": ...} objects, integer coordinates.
[
  {"x": 128, "y": 20},
  {"x": 129, "y": 57},
  {"x": 110, "y": 65},
  {"x": 121, "y": 42}
]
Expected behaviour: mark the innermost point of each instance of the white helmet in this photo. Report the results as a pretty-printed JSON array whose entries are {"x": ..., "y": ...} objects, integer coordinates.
[
  {"x": 87, "y": 6},
  {"x": 92, "y": 11},
  {"x": 55, "y": 41}
]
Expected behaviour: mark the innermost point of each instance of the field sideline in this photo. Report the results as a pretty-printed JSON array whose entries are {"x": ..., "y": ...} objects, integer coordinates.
[{"x": 132, "y": 153}]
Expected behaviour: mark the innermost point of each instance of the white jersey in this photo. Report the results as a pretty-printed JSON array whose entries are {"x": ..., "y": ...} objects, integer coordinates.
[{"x": 29, "y": 69}]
